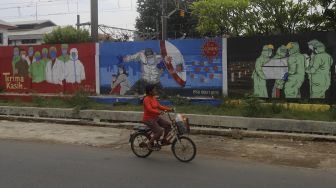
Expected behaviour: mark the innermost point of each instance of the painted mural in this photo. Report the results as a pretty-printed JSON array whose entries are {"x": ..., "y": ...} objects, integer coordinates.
[
  {"x": 48, "y": 68},
  {"x": 183, "y": 67},
  {"x": 288, "y": 67},
  {"x": 300, "y": 66}
]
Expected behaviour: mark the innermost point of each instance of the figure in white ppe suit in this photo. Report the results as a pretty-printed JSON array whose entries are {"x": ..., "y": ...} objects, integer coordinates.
[
  {"x": 74, "y": 69},
  {"x": 54, "y": 68},
  {"x": 152, "y": 68}
]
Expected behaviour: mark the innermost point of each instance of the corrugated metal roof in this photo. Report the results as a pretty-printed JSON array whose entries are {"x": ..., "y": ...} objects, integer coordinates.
[
  {"x": 32, "y": 22},
  {"x": 6, "y": 24},
  {"x": 29, "y": 34}
]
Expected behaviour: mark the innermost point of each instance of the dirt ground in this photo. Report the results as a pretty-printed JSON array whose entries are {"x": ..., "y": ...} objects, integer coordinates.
[{"x": 320, "y": 155}]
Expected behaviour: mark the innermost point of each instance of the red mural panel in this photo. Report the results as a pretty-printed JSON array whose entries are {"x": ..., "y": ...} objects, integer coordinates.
[{"x": 48, "y": 68}]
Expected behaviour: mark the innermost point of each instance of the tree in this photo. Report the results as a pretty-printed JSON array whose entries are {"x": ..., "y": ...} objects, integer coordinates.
[
  {"x": 329, "y": 14},
  {"x": 218, "y": 17},
  {"x": 67, "y": 34},
  {"x": 259, "y": 17},
  {"x": 149, "y": 20}
]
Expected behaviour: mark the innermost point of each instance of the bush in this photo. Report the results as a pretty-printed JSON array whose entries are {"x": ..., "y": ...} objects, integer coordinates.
[
  {"x": 252, "y": 107},
  {"x": 276, "y": 108},
  {"x": 67, "y": 34},
  {"x": 80, "y": 100},
  {"x": 333, "y": 112}
]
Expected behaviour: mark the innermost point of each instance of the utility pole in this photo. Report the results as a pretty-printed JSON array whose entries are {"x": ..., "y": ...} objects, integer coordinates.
[
  {"x": 36, "y": 10},
  {"x": 164, "y": 19},
  {"x": 78, "y": 22},
  {"x": 94, "y": 20}
]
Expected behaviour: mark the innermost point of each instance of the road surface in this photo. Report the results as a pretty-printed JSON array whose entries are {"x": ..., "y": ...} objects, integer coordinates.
[{"x": 34, "y": 165}]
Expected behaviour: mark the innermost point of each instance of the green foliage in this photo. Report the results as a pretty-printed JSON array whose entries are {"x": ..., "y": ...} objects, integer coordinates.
[
  {"x": 276, "y": 108},
  {"x": 149, "y": 20},
  {"x": 252, "y": 107},
  {"x": 38, "y": 101},
  {"x": 333, "y": 113},
  {"x": 80, "y": 100},
  {"x": 67, "y": 34},
  {"x": 262, "y": 17},
  {"x": 329, "y": 14},
  {"x": 178, "y": 101},
  {"x": 217, "y": 17}
]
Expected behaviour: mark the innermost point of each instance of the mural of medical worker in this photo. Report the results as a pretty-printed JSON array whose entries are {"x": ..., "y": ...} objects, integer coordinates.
[
  {"x": 74, "y": 69},
  {"x": 121, "y": 81},
  {"x": 258, "y": 76},
  {"x": 152, "y": 68},
  {"x": 16, "y": 58},
  {"x": 296, "y": 71},
  {"x": 281, "y": 55},
  {"x": 37, "y": 69},
  {"x": 30, "y": 57},
  {"x": 64, "y": 58},
  {"x": 318, "y": 70},
  {"x": 22, "y": 66},
  {"x": 54, "y": 69}
]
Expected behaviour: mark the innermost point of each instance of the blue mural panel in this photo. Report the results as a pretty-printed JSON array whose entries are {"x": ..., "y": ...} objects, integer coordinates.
[{"x": 177, "y": 67}]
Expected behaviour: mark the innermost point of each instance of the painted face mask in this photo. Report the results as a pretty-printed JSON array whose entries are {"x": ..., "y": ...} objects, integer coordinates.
[
  {"x": 73, "y": 56},
  {"x": 44, "y": 55},
  {"x": 151, "y": 61},
  {"x": 53, "y": 54},
  {"x": 30, "y": 52},
  {"x": 16, "y": 52},
  {"x": 37, "y": 58},
  {"x": 121, "y": 71},
  {"x": 64, "y": 52}
]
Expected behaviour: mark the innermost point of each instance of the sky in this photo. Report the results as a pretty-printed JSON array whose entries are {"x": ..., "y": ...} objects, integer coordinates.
[{"x": 116, "y": 13}]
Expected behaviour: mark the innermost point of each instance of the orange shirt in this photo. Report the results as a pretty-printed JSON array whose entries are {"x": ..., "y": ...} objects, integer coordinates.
[{"x": 152, "y": 108}]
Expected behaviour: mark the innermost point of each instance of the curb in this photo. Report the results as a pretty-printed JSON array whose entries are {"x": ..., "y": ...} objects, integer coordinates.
[{"x": 195, "y": 130}]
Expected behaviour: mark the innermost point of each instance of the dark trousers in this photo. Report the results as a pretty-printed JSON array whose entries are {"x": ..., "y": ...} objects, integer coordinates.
[{"x": 158, "y": 126}]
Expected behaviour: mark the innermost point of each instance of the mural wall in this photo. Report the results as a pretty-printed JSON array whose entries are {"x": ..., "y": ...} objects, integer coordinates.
[
  {"x": 183, "y": 67},
  {"x": 48, "y": 68},
  {"x": 297, "y": 66}
]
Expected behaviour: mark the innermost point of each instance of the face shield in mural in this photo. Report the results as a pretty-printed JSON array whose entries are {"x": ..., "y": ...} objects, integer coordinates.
[
  {"x": 16, "y": 52},
  {"x": 64, "y": 49},
  {"x": 74, "y": 54},
  {"x": 30, "y": 51},
  {"x": 44, "y": 53}
]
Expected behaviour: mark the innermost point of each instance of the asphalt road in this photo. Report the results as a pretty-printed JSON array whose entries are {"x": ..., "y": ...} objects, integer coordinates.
[{"x": 34, "y": 165}]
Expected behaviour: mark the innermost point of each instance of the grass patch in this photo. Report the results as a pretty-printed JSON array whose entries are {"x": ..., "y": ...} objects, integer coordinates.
[{"x": 249, "y": 107}]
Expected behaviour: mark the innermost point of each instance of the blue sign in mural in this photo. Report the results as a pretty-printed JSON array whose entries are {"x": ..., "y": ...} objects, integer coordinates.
[{"x": 184, "y": 67}]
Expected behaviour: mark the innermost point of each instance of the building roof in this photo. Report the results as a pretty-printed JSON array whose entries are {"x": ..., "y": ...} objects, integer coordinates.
[
  {"x": 36, "y": 24},
  {"x": 33, "y": 22},
  {"x": 29, "y": 34},
  {"x": 6, "y": 25}
]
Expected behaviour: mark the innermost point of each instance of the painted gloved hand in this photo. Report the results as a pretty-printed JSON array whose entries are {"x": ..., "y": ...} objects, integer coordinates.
[
  {"x": 285, "y": 76},
  {"x": 161, "y": 65}
]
